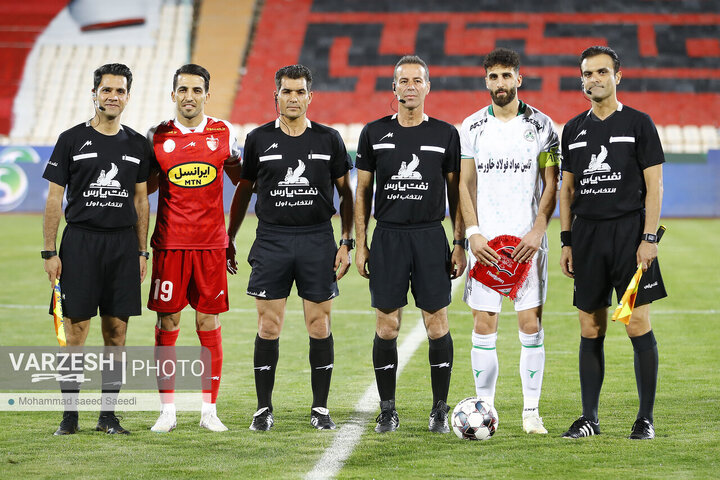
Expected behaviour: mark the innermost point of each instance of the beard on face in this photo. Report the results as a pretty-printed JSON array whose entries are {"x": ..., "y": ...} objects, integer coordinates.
[{"x": 502, "y": 101}]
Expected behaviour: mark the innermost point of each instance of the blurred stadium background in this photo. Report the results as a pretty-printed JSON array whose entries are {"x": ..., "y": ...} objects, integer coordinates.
[{"x": 670, "y": 52}]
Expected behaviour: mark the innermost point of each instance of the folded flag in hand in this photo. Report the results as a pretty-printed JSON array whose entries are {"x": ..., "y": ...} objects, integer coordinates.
[{"x": 58, "y": 313}]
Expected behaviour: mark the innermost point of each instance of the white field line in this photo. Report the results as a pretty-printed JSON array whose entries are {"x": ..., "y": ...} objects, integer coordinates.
[
  {"x": 572, "y": 313},
  {"x": 350, "y": 432}
]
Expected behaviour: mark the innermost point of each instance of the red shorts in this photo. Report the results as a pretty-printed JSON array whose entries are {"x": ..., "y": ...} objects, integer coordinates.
[{"x": 197, "y": 277}]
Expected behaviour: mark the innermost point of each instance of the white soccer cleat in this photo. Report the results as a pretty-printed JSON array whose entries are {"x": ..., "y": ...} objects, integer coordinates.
[
  {"x": 212, "y": 423},
  {"x": 166, "y": 422},
  {"x": 533, "y": 423}
]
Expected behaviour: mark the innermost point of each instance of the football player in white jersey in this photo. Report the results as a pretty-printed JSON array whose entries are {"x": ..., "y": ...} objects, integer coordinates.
[{"x": 508, "y": 183}]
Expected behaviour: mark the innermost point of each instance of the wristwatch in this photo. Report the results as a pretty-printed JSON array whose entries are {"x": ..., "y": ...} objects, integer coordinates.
[
  {"x": 349, "y": 242},
  {"x": 144, "y": 254},
  {"x": 45, "y": 254},
  {"x": 460, "y": 242},
  {"x": 649, "y": 237}
]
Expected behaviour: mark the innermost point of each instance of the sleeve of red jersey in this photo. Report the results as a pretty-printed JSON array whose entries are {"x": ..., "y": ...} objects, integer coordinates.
[{"x": 234, "y": 149}]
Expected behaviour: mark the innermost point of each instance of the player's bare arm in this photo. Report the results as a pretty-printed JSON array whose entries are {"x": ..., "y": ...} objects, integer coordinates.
[
  {"x": 233, "y": 169},
  {"x": 363, "y": 201},
  {"x": 238, "y": 209},
  {"x": 567, "y": 192},
  {"x": 647, "y": 252},
  {"x": 530, "y": 243},
  {"x": 458, "y": 260},
  {"x": 342, "y": 257},
  {"x": 51, "y": 222},
  {"x": 468, "y": 207},
  {"x": 142, "y": 207}
]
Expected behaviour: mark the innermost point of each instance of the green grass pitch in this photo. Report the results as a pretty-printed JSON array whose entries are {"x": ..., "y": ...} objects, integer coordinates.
[{"x": 686, "y": 414}]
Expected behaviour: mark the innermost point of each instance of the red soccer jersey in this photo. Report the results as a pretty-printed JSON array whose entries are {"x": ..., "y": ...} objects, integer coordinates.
[{"x": 190, "y": 212}]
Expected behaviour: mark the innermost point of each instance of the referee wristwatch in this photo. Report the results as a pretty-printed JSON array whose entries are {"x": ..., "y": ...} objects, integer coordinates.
[
  {"x": 348, "y": 242},
  {"x": 144, "y": 254},
  {"x": 46, "y": 254},
  {"x": 649, "y": 237}
]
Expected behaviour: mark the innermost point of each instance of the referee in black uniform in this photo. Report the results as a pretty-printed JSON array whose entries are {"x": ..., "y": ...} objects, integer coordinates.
[
  {"x": 294, "y": 165},
  {"x": 102, "y": 166},
  {"x": 412, "y": 158},
  {"x": 609, "y": 211}
]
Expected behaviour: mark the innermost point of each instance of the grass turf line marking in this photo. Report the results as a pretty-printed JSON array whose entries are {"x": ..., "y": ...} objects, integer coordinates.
[{"x": 349, "y": 434}]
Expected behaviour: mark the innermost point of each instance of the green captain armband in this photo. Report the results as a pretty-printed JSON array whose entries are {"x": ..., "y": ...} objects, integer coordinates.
[{"x": 549, "y": 159}]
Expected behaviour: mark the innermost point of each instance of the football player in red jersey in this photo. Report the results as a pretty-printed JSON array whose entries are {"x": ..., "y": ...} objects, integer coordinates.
[{"x": 189, "y": 241}]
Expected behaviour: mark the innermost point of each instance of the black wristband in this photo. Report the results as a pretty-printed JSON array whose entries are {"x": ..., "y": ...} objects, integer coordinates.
[
  {"x": 348, "y": 242},
  {"x": 45, "y": 254},
  {"x": 460, "y": 242},
  {"x": 566, "y": 238},
  {"x": 144, "y": 254}
]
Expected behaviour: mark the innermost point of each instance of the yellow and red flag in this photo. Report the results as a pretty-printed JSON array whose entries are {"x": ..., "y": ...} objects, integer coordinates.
[
  {"x": 58, "y": 314},
  {"x": 627, "y": 303}
]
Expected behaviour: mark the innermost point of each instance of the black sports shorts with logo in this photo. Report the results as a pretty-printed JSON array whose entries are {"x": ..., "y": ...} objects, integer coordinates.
[
  {"x": 99, "y": 269},
  {"x": 303, "y": 254},
  {"x": 604, "y": 257},
  {"x": 418, "y": 255}
]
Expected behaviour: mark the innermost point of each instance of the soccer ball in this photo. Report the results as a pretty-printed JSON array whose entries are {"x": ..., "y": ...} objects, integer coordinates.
[{"x": 474, "y": 419}]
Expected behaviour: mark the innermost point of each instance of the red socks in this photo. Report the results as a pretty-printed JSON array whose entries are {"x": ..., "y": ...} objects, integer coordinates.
[{"x": 212, "y": 340}]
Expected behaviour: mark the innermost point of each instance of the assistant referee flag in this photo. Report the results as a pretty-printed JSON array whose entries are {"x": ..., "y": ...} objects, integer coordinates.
[{"x": 58, "y": 314}]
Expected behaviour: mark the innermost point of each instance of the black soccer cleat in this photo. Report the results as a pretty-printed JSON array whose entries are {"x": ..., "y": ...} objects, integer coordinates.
[
  {"x": 320, "y": 419},
  {"x": 110, "y": 424},
  {"x": 582, "y": 427},
  {"x": 388, "y": 420},
  {"x": 68, "y": 425},
  {"x": 263, "y": 420},
  {"x": 642, "y": 429},
  {"x": 439, "y": 418}
]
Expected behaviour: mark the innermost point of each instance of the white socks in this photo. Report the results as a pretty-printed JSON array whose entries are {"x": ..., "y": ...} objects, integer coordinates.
[
  {"x": 532, "y": 366},
  {"x": 484, "y": 362}
]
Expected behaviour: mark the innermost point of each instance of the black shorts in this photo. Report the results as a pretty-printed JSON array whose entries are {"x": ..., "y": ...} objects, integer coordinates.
[
  {"x": 604, "y": 257},
  {"x": 281, "y": 255},
  {"x": 99, "y": 269},
  {"x": 418, "y": 255}
]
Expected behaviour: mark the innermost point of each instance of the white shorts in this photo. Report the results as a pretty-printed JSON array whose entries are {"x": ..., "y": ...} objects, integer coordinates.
[{"x": 532, "y": 294}]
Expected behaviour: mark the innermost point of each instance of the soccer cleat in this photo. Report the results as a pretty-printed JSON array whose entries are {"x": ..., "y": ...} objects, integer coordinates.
[
  {"x": 582, "y": 427},
  {"x": 110, "y": 424},
  {"x": 533, "y": 423},
  {"x": 438, "y": 418},
  {"x": 212, "y": 423},
  {"x": 166, "y": 422},
  {"x": 320, "y": 419},
  {"x": 68, "y": 425},
  {"x": 642, "y": 430},
  {"x": 388, "y": 420},
  {"x": 263, "y": 420}
]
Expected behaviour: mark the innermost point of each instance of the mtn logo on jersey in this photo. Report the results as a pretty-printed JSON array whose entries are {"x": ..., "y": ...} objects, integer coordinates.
[
  {"x": 192, "y": 174},
  {"x": 597, "y": 162}
]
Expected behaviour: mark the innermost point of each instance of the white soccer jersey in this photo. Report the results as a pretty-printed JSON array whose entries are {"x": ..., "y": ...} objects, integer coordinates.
[{"x": 508, "y": 159}]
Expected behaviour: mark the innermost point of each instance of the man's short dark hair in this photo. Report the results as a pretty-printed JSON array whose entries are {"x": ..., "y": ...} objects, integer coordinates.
[
  {"x": 413, "y": 60},
  {"x": 112, "y": 69},
  {"x": 192, "y": 69},
  {"x": 600, "y": 50},
  {"x": 504, "y": 57},
  {"x": 294, "y": 72}
]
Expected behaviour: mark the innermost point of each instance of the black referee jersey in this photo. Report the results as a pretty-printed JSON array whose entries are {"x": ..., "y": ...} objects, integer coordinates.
[
  {"x": 100, "y": 172},
  {"x": 294, "y": 175},
  {"x": 410, "y": 165},
  {"x": 607, "y": 158}
]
